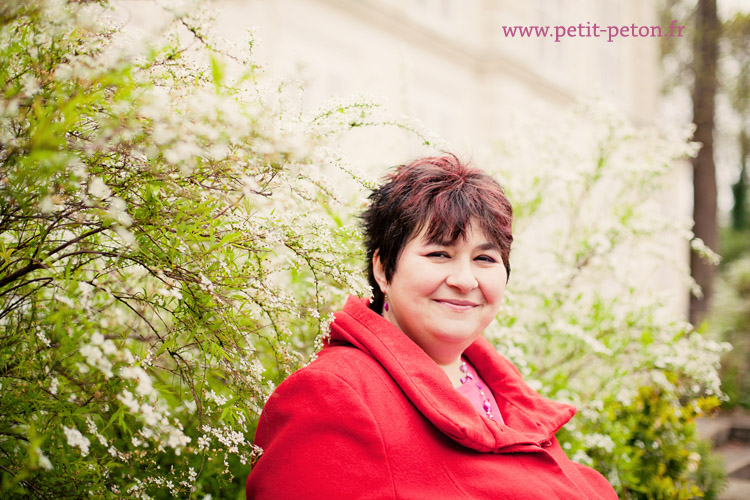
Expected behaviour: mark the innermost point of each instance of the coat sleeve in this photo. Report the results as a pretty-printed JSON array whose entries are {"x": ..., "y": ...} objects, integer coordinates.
[{"x": 320, "y": 441}]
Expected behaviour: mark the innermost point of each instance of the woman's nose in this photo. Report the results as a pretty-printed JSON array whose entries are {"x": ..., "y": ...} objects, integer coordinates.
[{"x": 461, "y": 276}]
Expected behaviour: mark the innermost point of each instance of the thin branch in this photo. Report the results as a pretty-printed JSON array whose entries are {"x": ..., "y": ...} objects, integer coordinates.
[
  {"x": 21, "y": 272},
  {"x": 47, "y": 279},
  {"x": 76, "y": 240}
]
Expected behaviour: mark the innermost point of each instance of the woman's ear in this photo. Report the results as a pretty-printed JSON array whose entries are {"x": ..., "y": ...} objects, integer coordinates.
[{"x": 379, "y": 271}]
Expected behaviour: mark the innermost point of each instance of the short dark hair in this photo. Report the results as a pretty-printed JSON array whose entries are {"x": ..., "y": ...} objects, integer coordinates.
[{"x": 442, "y": 194}]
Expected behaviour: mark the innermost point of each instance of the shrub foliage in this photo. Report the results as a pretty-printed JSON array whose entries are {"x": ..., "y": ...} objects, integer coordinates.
[{"x": 163, "y": 233}]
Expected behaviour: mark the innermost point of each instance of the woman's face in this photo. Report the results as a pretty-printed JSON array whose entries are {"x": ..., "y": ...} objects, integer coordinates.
[{"x": 444, "y": 296}]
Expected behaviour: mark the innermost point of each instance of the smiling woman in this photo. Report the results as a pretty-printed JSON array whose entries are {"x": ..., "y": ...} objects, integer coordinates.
[{"x": 407, "y": 399}]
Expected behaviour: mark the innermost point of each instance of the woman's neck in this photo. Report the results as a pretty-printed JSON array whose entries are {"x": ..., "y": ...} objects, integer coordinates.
[{"x": 453, "y": 370}]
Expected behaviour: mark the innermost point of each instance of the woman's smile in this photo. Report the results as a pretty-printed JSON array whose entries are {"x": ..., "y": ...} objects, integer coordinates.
[{"x": 456, "y": 305}]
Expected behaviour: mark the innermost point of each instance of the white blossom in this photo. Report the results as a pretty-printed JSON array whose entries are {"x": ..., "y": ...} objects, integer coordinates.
[
  {"x": 76, "y": 439},
  {"x": 43, "y": 338},
  {"x": 190, "y": 406},
  {"x": 117, "y": 210},
  {"x": 127, "y": 237},
  {"x": 145, "y": 387},
  {"x": 218, "y": 399},
  {"x": 108, "y": 347},
  {"x": 44, "y": 461},
  {"x": 126, "y": 397},
  {"x": 47, "y": 204},
  {"x": 177, "y": 439},
  {"x": 98, "y": 188},
  {"x": 96, "y": 358}
]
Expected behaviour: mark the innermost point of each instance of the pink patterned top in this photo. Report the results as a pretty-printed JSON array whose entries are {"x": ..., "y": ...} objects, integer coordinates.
[{"x": 476, "y": 391}]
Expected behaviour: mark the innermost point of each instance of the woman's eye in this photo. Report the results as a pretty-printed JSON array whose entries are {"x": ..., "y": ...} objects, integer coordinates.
[
  {"x": 486, "y": 258},
  {"x": 437, "y": 254}
]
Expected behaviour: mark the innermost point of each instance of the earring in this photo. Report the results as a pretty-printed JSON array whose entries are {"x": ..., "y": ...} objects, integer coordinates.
[{"x": 385, "y": 305}]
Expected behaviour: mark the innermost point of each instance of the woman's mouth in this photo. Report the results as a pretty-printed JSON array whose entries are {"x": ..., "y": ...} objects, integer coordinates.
[{"x": 457, "y": 304}]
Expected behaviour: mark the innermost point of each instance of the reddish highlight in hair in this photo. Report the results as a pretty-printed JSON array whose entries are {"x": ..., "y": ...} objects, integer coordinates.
[{"x": 441, "y": 194}]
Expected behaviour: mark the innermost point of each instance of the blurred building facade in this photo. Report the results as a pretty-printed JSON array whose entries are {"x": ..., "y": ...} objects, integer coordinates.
[{"x": 449, "y": 63}]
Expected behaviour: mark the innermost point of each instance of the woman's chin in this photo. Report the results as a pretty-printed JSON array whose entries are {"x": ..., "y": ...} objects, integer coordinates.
[{"x": 457, "y": 335}]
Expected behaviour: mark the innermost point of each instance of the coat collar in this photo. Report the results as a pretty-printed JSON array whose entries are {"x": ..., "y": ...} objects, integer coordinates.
[{"x": 530, "y": 418}]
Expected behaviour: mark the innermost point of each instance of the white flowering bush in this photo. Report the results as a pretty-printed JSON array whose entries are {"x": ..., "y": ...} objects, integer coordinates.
[
  {"x": 169, "y": 250},
  {"x": 587, "y": 317}
]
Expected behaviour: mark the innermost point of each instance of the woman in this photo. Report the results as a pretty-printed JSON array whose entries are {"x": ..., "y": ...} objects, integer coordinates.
[{"x": 407, "y": 400}]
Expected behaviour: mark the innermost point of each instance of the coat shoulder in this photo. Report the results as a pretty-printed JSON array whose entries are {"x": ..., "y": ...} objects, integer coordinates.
[
  {"x": 317, "y": 423},
  {"x": 344, "y": 365},
  {"x": 349, "y": 363}
]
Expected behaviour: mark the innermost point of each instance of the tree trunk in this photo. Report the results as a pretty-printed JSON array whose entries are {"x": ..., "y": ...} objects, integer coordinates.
[
  {"x": 739, "y": 188},
  {"x": 705, "y": 55}
]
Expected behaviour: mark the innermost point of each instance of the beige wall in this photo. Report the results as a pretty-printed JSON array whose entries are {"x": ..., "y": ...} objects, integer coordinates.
[{"x": 444, "y": 59}]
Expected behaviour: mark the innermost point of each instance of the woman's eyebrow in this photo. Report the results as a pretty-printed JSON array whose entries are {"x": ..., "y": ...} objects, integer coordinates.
[{"x": 488, "y": 246}]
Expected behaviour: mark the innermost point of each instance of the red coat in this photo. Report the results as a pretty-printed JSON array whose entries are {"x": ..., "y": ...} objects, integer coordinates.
[{"x": 375, "y": 417}]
